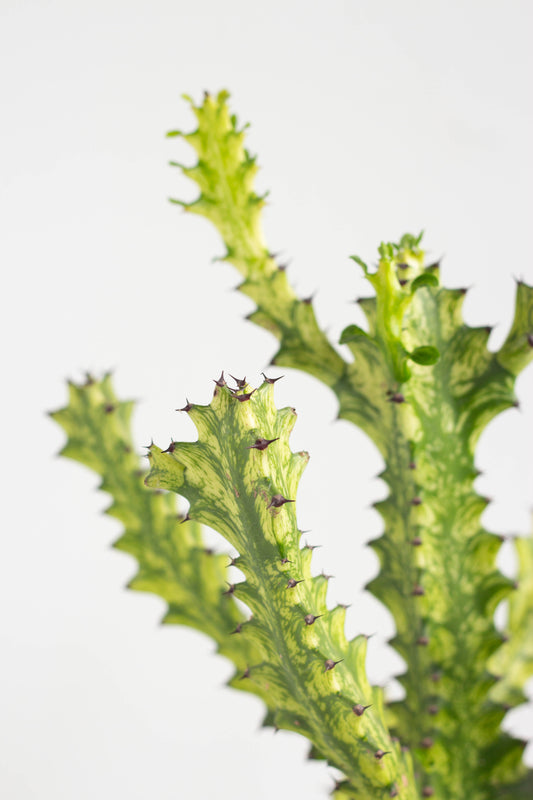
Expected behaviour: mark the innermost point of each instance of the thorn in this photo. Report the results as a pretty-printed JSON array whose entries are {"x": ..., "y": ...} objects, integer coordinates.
[
  {"x": 278, "y": 500},
  {"x": 530, "y": 340},
  {"x": 186, "y": 518},
  {"x": 423, "y": 641},
  {"x": 241, "y": 382},
  {"x": 326, "y": 577},
  {"x": 262, "y": 444},
  {"x": 397, "y": 397},
  {"x": 435, "y": 677},
  {"x": 359, "y": 710},
  {"x": 426, "y": 742},
  {"x": 291, "y": 583},
  {"x": 329, "y": 664},
  {"x": 402, "y": 281},
  {"x": 232, "y": 561},
  {"x": 418, "y": 591},
  {"x": 433, "y": 709},
  {"x": 346, "y": 606},
  {"x": 186, "y": 407},
  {"x": 416, "y": 542},
  {"x": 221, "y": 381},
  {"x": 170, "y": 448},
  {"x": 380, "y": 753},
  {"x": 230, "y": 589},
  {"x": 238, "y": 628},
  {"x": 308, "y": 546},
  {"x": 245, "y": 674},
  {"x": 208, "y": 551},
  {"x": 242, "y": 398},
  {"x": 285, "y": 561},
  {"x": 109, "y": 409},
  {"x": 428, "y": 791},
  {"x": 416, "y": 501},
  {"x": 412, "y": 465},
  {"x": 310, "y": 618},
  {"x": 308, "y": 300},
  {"x": 271, "y": 380},
  {"x": 393, "y": 792}
]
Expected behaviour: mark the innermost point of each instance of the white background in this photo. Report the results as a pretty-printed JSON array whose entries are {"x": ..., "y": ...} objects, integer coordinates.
[{"x": 370, "y": 117}]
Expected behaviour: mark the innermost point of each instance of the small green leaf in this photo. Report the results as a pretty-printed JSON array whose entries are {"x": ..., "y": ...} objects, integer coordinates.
[
  {"x": 351, "y": 333},
  {"x": 361, "y": 263},
  {"x": 427, "y": 279},
  {"x": 425, "y": 355}
]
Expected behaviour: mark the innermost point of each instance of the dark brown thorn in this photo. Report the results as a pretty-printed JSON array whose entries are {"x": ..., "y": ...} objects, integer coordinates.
[
  {"x": 310, "y": 546},
  {"x": 230, "y": 589},
  {"x": 393, "y": 792},
  {"x": 418, "y": 591},
  {"x": 403, "y": 266},
  {"x": 241, "y": 382},
  {"x": 402, "y": 281},
  {"x": 308, "y": 300},
  {"x": 238, "y": 629},
  {"x": 416, "y": 542},
  {"x": 397, "y": 397},
  {"x": 170, "y": 448},
  {"x": 261, "y": 444},
  {"x": 221, "y": 381},
  {"x": 186, "y": 407},
  {"x": 329, "y": 664},
  {"x": 291, "y": 583},
  {"x": 109, "y": 409},
  {"x": 423, "y": 641},
  {"x": 428, "y": 791},
  {"x": 433, "y": 709},
  {"x": 412, "y": 465},
  {"x": 310, "y": 618},
  {"x": 359, "y": 709},
  {"x": 242, "y": 398},
  {"x": 186, "y": 518},
  {"x": 380, "y": 753},
  {"x": 278, "y": 500},
  {"x": 346, "y": 606},
  {"x": 271, "y": 380},
  {"x": 232, "y": 561},
  {"x": 530, "y": 339},
  {"x": 416, "y": 501},
  {"x": 208, "y": 551},
  {"x": 325, "y": 576},
  {"x": 285, "y": 560},
  {"x": 245, "y": 674},
  {"x": 426, "y": 742}
]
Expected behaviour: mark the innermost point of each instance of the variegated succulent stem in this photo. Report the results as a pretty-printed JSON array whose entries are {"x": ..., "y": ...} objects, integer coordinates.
[
  {"x": 241, "y": 479},
  {"x": 422, "y": 385},
  {"x": 173, "y": 561}
]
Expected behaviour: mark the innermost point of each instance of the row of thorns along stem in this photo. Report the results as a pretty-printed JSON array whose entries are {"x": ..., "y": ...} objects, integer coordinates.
[{"x": 277, "y": 501}]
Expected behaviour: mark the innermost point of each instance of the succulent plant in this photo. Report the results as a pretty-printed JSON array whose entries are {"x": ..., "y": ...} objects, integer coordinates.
[{"x": 423, "y": 385}]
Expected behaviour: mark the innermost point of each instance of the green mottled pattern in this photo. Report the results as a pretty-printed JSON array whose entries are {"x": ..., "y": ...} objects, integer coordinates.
[
  {"x": 224, "y": 174},
  {"x": 422, "y": 385},
  {"x": 173, "y": 561},
  {"x": 311, "y": 673}
]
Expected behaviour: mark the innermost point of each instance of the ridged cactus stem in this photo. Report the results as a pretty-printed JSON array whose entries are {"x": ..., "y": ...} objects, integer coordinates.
[
  {"x": 422, "y": 385},
  {"x": 173, "y": 560},
  {"x": 314, "y": 677},
  {"x": 224, "y": 174}
]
